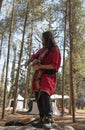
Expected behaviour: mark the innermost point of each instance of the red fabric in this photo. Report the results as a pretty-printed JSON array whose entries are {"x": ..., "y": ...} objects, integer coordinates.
[{"x": 48, "y": 83}]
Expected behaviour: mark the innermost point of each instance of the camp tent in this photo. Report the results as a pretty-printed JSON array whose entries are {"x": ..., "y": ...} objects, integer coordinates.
[
  {"x": 19, "y": 105},
  {"x": 35, "y": 109},
  {"x": 54, "y": 98}
]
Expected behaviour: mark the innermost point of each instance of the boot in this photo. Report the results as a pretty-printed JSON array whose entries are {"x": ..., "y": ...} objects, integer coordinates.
[
  {"x": 48, "y": 123},
  {"x": 38, "y": 123}
]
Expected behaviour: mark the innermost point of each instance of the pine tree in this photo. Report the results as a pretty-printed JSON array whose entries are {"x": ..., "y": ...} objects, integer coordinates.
[
  {"x": 13, "y": 72},
  {"x": 7, "y": 64}
]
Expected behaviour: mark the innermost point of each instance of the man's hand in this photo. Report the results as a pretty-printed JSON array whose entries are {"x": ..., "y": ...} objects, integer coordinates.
[
  {"x": 26, "y": 64},
  {"x": 36, "y": 67}
]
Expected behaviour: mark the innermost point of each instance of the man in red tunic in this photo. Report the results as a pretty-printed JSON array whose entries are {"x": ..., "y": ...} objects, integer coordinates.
[{"x": 45, "y": 78}]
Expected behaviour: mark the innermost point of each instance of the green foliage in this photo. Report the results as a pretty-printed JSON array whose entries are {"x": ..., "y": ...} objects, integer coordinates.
[{"x": 78, "y": 53}]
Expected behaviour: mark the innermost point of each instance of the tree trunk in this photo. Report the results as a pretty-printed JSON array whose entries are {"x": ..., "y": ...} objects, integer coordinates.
[
  {"x": 63, "y": 68},
  {"x": 1, "y": 4},
  {"x": 71, "y": 74},
  {"x": 1, "y": 44},
  {"x": 11, "y": 92},
  {"x": 19, "y": 62},
  {"x": 7, "y": 64},
  {"x": 29, "y": 68}
]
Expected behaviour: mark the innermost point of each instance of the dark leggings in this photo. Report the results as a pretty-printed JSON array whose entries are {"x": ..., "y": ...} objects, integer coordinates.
[{"x": 44, "y": 104}]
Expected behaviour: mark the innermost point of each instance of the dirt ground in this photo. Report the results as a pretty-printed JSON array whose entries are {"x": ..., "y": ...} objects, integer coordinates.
[{"x": 66, "y": 119}]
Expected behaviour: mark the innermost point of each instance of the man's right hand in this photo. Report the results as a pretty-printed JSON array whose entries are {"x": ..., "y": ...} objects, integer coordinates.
[{"x": 26, "y": 64}]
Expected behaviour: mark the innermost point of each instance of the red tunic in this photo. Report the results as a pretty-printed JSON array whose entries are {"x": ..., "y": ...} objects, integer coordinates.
[{"x": 48, "y": 82}]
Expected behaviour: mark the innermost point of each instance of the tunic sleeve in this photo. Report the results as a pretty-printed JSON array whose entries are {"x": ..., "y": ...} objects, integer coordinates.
[
  {"x": 37, "y": 54},
  {"x": 55, "y": 58}
]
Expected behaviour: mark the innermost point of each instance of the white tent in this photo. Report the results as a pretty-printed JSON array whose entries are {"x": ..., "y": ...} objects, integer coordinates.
[
  {"x": 54, "y": 98},
  {"x": 35, "y": 109},
  {"x": 19, "y": 106},
  {"x": 20, "y": 100}
]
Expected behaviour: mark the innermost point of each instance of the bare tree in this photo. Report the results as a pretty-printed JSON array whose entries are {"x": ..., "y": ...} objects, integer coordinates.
[
  {"x": 29, "y": 49},
  {"x": 29, "y": 68},
  {"x": 19, "y": 62},
  {"x": 7, "y": 64},
  {"x": 71, "y": 60},
  {"x": 63, "y": 68},
  {"x": 1, "y": 4},
  {"x": 1, "y": 44}
]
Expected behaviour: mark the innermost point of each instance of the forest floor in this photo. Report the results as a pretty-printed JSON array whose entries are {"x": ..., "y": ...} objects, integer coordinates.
[{"x": 66, "y": 119}]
